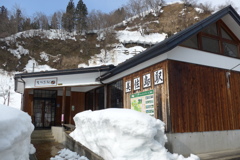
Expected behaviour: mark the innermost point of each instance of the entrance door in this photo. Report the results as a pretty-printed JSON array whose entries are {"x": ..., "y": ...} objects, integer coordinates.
[{"x": 44, "y": 110}]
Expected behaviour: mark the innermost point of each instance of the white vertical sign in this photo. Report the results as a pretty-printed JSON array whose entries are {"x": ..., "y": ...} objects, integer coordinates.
[
  {"x": 146, "y": 80},
  {"x": 158, "y": 77},
  {"x": 128, "y": 86},
  {"x": 136, "y": 83}
]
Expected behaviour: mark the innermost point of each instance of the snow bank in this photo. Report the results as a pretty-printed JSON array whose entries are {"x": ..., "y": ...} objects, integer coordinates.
[
  {"x": 37, "y": 68},
  {"x": 115, "y": 56},
  {"x": 123, "y": 134},
  {"x": 69, "y": 155},
  {"x": 137, "y": 37},
  {"x": 49, "y": 34},
  {"x": 15, "y": 132}
]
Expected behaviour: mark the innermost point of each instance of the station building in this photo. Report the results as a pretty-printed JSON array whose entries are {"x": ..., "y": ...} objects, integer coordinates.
[{"x": 190, "y": 81}]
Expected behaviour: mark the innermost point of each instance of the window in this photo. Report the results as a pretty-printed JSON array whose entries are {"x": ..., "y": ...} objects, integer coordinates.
[
  {"x": 100, "y": 98},
  {"x": 210, "y": 44},
  {"x": 191, "y": 42},
  {"x": 90, "y": 100},
  {"x": 44, "y": 94},
  {"x": 115, "y": 94},
  {"x": 95, "y": 99},
  {"x": 216, "y": 38}
]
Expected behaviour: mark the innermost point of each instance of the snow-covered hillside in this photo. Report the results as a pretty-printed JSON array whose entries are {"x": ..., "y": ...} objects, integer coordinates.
[{"x": 132, "y": 37}]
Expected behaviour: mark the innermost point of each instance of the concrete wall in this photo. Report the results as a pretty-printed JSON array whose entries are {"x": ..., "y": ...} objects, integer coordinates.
[
  {"x": 202, "y": 142},
  {"x": 80, "y": 149},
  {"x": 58, "y": 134}
]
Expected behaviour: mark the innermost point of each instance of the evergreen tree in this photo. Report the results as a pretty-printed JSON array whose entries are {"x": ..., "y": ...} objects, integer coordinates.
[
  {"x": 81, "y": 16},
  {"x": 3, "y": 21},
  {"x": 68, "y": 17}
]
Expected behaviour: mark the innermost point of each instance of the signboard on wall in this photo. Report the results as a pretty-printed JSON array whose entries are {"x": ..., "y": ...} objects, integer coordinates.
[
  {"x": 45, "y": 82},
  {"x": 136, "y": 83},
  {"x": 143, "y": 102},
  {"x": 158, "y": 77},
  {"x": 128, "y": 86}
]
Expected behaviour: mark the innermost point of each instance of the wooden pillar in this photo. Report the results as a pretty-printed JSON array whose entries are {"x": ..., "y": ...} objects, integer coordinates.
[
  {"x": 63, "y": 104},
  {"x": 105, "y": 96}
]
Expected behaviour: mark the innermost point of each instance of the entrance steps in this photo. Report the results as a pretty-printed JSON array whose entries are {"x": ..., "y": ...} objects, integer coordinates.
[{"x": 42, "y": 136}]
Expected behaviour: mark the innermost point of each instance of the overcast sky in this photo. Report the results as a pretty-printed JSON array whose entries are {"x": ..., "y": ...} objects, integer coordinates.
[{"x": 29, "y": 7}]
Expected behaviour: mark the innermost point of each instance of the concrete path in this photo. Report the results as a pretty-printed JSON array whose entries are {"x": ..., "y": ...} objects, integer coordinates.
[
  {"x": 221, "y": 155},
  {"x": 45, "y": 145}
]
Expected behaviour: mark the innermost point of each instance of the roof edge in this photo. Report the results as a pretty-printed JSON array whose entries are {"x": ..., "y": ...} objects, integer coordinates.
[
  {"x": 64, "y": 72},
  {"x": 171, "y": 42}
]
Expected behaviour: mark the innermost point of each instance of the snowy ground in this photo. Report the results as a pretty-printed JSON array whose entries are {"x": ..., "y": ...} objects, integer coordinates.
[
  {"x": 15, "y": 132},
  {"x": 66, "y": 154},
  {"x": 123, "y": 134}
]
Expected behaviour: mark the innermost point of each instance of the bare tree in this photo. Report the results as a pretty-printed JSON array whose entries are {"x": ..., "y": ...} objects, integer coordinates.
[
  {"x": 227, "y": 3},
  {"x": 5, "y": 89},
  {"x": 16, "y": 20},
  {"x": 41, "y": 20},
  {"x": 207, "y": 7},
  {"x": 189, "y": 2},
  {"x": 59, "y": 18},
  {"x": 135, "y": 7},
  {"x": 107, "y": 37},
  {"x": 54, "y": 21},
  {"x": 96, "y": 20}
]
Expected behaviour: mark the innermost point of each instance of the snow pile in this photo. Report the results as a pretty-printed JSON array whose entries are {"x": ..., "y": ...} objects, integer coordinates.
[
  {"x": 69, "y": 155},
  {"x": 19, "y": 51},
  {"x": 123, "y": 134},
  {"x": 138, "y": 37},
  {"x": 199, "y": 10},
  {"x": 15, "y": 132},
  {"x": 32, "y": 65},
  {"x": 115, "y": 56}
]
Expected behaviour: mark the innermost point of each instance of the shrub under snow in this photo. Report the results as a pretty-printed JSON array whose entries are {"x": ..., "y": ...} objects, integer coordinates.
[{"x": 123, "y": 134}]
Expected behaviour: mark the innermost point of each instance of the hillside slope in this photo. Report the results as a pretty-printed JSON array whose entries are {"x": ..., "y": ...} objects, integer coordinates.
[{"x": 62, "y": 50}]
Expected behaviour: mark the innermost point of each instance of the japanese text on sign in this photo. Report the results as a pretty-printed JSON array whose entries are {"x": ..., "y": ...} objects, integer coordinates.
[
  {"x": 143, "y": 102},
  {"x": 128, "y": 86},
  {"x": 146, "y": 80},
  {"x": 46, "y": 82},
  {"x": 136, "y": 83},
  {"x": 158, "y": 77}
]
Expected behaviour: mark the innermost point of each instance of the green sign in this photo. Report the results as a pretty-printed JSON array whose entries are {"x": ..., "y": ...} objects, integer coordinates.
[{"x": 143, "y": 102}]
